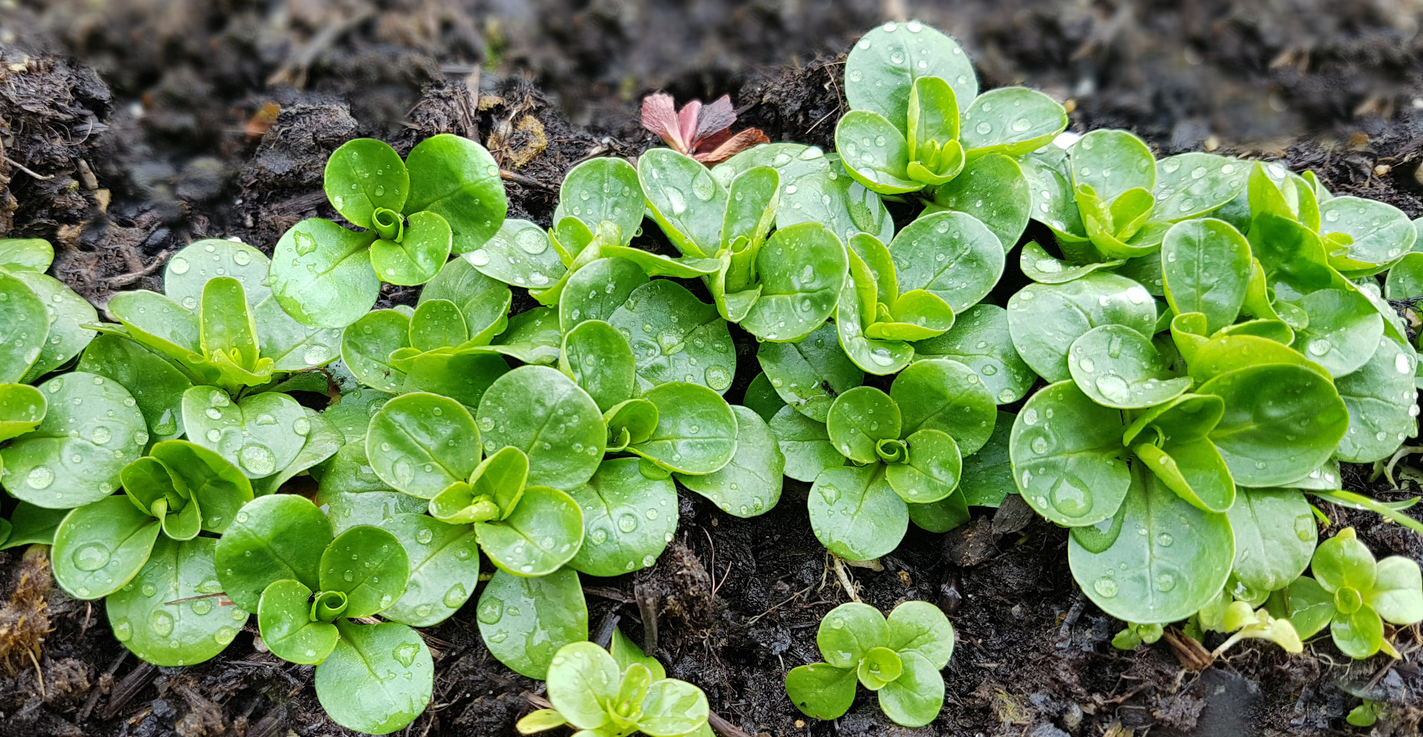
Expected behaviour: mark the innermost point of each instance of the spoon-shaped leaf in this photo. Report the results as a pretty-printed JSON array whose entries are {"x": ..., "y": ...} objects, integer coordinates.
[
  {"x": 543, "y": 413},
  {"x": 950, "y": 254},
  {"x": 808, "y": 374},
  {"x": 1280, "y": 422},
  {"x": 821, "y": 690},
  {"x": 1044, "y": 319},
  {"x": 362, "y": 175},
  {"x": 915, "y": 697},
  {"x": 696, "y": 430},
  {"x": 948, "y": 396},
  {"x": 322, "y": 275},
  {"x": 684, "y": 199},
  {"x": 1012, "y": 121},
  {"x": 68, "y": 313},
  {"x": 876, "y": 152},
  {"x": 1343, "y": 331},
  {"x": 1275, "y": 536},
  {"x": 1381, "y": 397},
  {"x": 601, "y": 190},
  {"x": 544, "y": 531},
  {"x": 273, "y": 538},
  {"x": 595, "y": 291},
  {"x": 444, "y": 569},
  {"x": 153, "y": 618},
  {"x": 859, "y": 419},
  {"x": 801, "y": 270},
  {"x": 369, "y": 565},
  {"x": 750, "y": 484},
  {"x": 519, "y": 254},
  {"x": 1006, "y": 211},
  {"x": 884, "y": 65},
  {"x": 1206, "y": 268},
  {"x": 418, "y": 257},
  {"x": 1068, "y": 456},
  {"x": 101, "y": 546},
  {"x": 1112, "y": 162},
  {"x": 258, "y": 434},
  {"x": 628, "y": 519},
  {"x": 933, "y": 470},
  {"x": 457, "y": 179},
  {"x": 378, "y": 679},
  {"x": 1119, "y": 367},
  {"x": 421, "y": 443},
  {"x": 284, "y": 619},
  {"x": 980, "y": 339},
  {"x": 154, "y": 382},
  {"x": 22, "y": 408},
  {"x": 676, "y": 337},
  {"x": 26, "y": 327},
  {"x": 524, "y": 621},
  {"x": 599, "y": 359},
  {"x": 855, "y": 513},
  {"x": 1191, "y": 184}
]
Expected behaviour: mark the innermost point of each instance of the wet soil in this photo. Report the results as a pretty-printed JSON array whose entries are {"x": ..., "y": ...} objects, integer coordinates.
[{"x": 132, "y": 127}]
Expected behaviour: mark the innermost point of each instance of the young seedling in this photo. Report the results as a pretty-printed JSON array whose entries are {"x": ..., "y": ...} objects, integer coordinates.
[
  {"x": 445, "y": 196},
  {"x": 899, "y": 659},
  {"x": 280, "y": 559},
  {"x": 700, "y": 131}
]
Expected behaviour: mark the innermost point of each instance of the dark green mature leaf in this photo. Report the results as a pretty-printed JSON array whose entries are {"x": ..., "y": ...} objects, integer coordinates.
[
  {"x": 543, "y": 532},
  {"x": 859, "y": 419},
  {"x": 684, "y": 199},
  {"x": 1383, "y": 404},
  {"x": 988, "y": 474},
  {"x": 519, "y": 254},
  {"x": 832, "y": 197},
  {"x": 1280, "y": 422},
  {"x": 948, "y": 396},
  {"x": 273, "y": 538},
  {"x": 1205, "y": 266},
  {"x": 1176, "y": 566},
  {"x": 458, "y": 180},
  {"x": 810, "y": 373},
  {"x": 524, "y": 621},
  {"x": 258, "y": 434},
  {"x": 366, "y": 346},
  {"x": 1012, "y": 121},
  {"x": 1053, "y": 197},
  {"x": 1038, "y": 265},
  {"x": 855, "y": 513},
  {"x": 980, "y": 339},
  {"x": 951, "y": 254},
  {"x": 322, "y": 275},
  {"x": 154, "y": 383},
  {"x": 68, "y": 313},
  {"x": 595, "y": 291},
  {"x": 32, "y": 524},
  {"x": 821, "y": 690},
  {"x": 1068, "y": 456},
  {"x": 1007, "y": 207},
  {"x": 156, "y": 615},
  {"x": 883, "y": 66},
  {"x": 1380, "y": 234},
  {"x": 362, "y": 175},
  {"x": 750, "y": 484},
  {"x": 1119, "y": 367},
  {"x": 421, "y": 443},
  {"x": 628, "y": 519},
  {"x": 1342, "y": 331},
  {"x": 90, "y": 431},
  {"x": 1275, "y": 535},
  {"x": 696, "y": 430},
  {"x": 369, "y": 565},
  {"x": 543, "y": 413},
  {"x": 1044, "y": 319},
  {"x": 805, "y": 444},
  {"x": 599, "y": 359},
  {"x": 761, "y": 396},
  {"x": 801, "y": 270},
  {"x": 1191, "y": 184},
  {"x": 602, "y": 190},
  {"x": 101, "y": 546},
  {"x": 323, "y": 440},
  {"x": 676, "y": 337},
  {"x": 379, "y": 677}
]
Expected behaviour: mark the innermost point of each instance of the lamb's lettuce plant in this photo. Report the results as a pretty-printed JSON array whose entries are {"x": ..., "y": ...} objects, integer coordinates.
[{"x": 898, "y": 658}]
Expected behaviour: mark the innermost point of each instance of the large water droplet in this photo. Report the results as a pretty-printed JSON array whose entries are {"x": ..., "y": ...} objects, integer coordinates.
[{"x": 91, "y": 556}]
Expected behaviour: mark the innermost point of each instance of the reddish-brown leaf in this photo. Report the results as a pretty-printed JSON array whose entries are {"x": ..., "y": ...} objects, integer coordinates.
[
  {"x": 734, "y": 145},
  {"x": 659, "y": 115}
]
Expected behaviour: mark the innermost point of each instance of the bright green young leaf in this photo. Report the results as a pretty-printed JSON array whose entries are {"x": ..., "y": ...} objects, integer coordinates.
[
  {"x": 458, "y": 180},
  {"x": 676, "y": 337},
  {"x": 849, "y": 632},
  {"x": 602, "y": 189},
  {"x": 68, "y": 313},
  {"x": 950, "y": 254},
  {"x": 832, "y": 197},
  {"x": 673, "y": 708},
  {"x": 1307, "y": 605},
  {"x": 31, "y": 524},
  {"x": 920, "y": 627},
  {"x": 154, "y": 383},
  {"x": 26, "y": 324},
  {"x": 323, "y": 440},
  {"x": 948, "y": 396},
  {"x": 915, "y": 697},
  {"x": 822, "y": 691},
  {"x": 26, "y": 254},
  {"x": 859, "y": 419},
  {"x": 628, "y": 519},
  {"x": 1007, "y": 208},
  {"x": 22, "y": 408},
  {"x": 598, "y": 358},
  {"x": 1191, "y": 184},
  {"x": 1379, "y": 234},
  {"x": 1280, "y": 422},
  {"x": 379, "y": 677},
  {"x": 1118, "y": 367},
  {"x": 322, "y": 275},
  {"x": 519, "y": 254},
  {"x": 287, "y": 629},
  {"x": 365, "y": 174},
  {"x": 933, "y": 470},
  {"x": 273, "y": 538},
  {"x": 583, "y": 682},
  {"x": 855, "y": 513},
  {"x": 750, "y": 484},
  {"x": 1038, "y": 265},
  {"x": 884, "y": 64},
  {"x": 805, "y": 444},
  {"x": 544, "y": 531},
  {"x": 1194, "y": 469},
  {"x": 1012, "y": 121},
  {"x": 875, "y": 152},
  {"x": 422, "y": 443},
  {"x": 1206, "y": 267},
  {"x": 1053, "y": 197},
  {"x": 369, "y": 565},
  {"x": 217, "y": 486},
  {"x": 1112, "y": 162},
  {"x": 1275, "y": 535},
  {"x": 545, "y": 414},
  {"x": 1397, "y": 594},
  {"x": 696, "y": 430},
  {"x": 879, "y": 357},
  {"x": 101, "y": 546},
  {"x": 879, "y": 667},
  {"x": 366, "y": 346},
  {"x": 419, "y": 256},
  {"x": 1068, "y": 456},
  {"x": 157, "y": 617},
  {"x": 1343, "y": 330},
  {"x": 1044, "y": 319},
  {"x": 684, "y": 199},
  {"x": 524, "y": 621},
  {"x": 801, "y": 270}
]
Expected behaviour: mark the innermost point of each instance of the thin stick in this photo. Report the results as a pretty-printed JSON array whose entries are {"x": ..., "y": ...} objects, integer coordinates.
[
  {"x": 518, "y": 178},
  {"x": 22, "y": 168}
]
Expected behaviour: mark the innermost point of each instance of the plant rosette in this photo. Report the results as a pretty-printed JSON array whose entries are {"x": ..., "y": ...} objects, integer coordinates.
[
  {"x": 446, "y": 196},
  {"x": 280, "y": 559},
  {"x": 899, "y": 659}
]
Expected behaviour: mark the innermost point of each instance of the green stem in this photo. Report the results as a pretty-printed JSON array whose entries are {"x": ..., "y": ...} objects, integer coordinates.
[{"x": 1359, "y": 501}]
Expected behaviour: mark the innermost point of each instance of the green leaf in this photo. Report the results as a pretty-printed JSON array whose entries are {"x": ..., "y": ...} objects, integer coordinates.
[
  {"x": 90, "y": 431},
  {"x": 1012, "y": 121},
  {"x": 1112, "y": 162},
  {"x": 674, "y": 708},
  {"x": 26, "y": 327},
  {"x": 1381, "y": 397},
  {"x": 217, "y": 486},
  {"x": 68, "y": 313},
  {"x": 980, "y": 339},
  {"x": 419, "y": 255},
  {"x": 286, "y": 626},
  {"x": 1192, "y": 184},
  {"x": 993, "y": 189},
  {"x": 25, "y": 254},
  {"x": 544, "y": 531},
  {"x": 595, "y": 291},
  {"x": 914, "y": 315},
  {"x": 1193, "y": 469},
  {"x": 229, "y": 334},
  {"x": 987, "y": 477},
  {"x": 349, "y": 509},
  {"x": 933, "y": 470},
  {"x": 367, "y": 344},
  {"x": 626, "y": 653},
  {"x": 437, "y": 324},
  {"x": 1044, "y": 319},
  {"x": 921, "y": 628},
  {"x": 915, "y": 697},
  {"x": 258, "y": 434},
  {"x": 1206, "y": 268},
  {"x": 750, "y": 484},
  {"x": 808, "y": 374},
  {"x": 31, "y": 524},
  {"x": 421, "y": 443},
  {"x": 676, "y": 337},
  {"x": 1274, "y": 537},
  {"x": 582, "y": 684},
  {"x": 879, "y": 666},
  {"x": 805, "y": 444},
  {"x": 518, "y": 254},
  {"x": 154, "y": 383},
  {"x": 751, "y": 208},
  {"x": 273, "y": 538},
  {"x": 801, "y": 270},
  {"x": 859, "y": 419},
  {"x": 1118, "y": 367},
  {"x": 696, "y": 430},
  {"x": 1053, "y": 196},
  {"x": 380, "y": 676},
  {"x": 1038, "y": 265},
  {"x": 598, "y": 358},
  {"x": 494, "y": 488},
  {"x": 1228, "y": 352},
  {"x": 362, "y": 175},
  {"x": 1380, "y": 234},
  {"x": 855, "y": 513},
  {"x": 1405, "y": 278},
  {"x": 628, "y": 519},
  {"x": 950, "y": 254},
  {"x": 524, "y": 621},
  {"x": 1308, "y": 606},
  {"x": 543, "y": 413},
  {"x": 684, "y": 199},
  {"x": 323, "y": 440},
  {"x": 849, "y": 632},
  {"x": 322, "y": 275},
  {"x": 101, "y": 546},
  {"x": 1280, "y": 422},
  {"x": 602, "y": 190},
  {"x": 1174, "y": 568},
  {"x": 1344, "y": 561},
  {"x": 630, "y": 422},
  {"x": 1068, "y": 457},
  {"x": 1397, "y": 594},
  {"x": 883, "y": 66},
  {"x": 369, "y": 565},
  {"x": 22, "y": 408},
  {"x": 876, "y": 152},
  {"x": 821, "y": 691},
  {"x": 832, "y": 197},
  {"x": 1343, "y": 330},
  {"x": 458, "y": 180},
  {"x": 1358, "y": 634},
  {"x": 151, "y": 618},
  {"x": 948, "y": 396}
]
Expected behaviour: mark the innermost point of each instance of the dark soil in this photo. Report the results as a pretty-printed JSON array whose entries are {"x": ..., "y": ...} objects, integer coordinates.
[{"x": 132, "y": 127}]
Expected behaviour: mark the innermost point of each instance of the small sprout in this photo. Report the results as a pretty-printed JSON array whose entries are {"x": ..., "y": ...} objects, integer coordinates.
[{"x": 700, "y": 131}]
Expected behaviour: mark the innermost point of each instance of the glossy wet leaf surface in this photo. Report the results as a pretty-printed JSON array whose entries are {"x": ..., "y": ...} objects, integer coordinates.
[
  {"x": 1275, "y": 535},
  {"x": 543, "y": 413},
  {"x": 1005, "y": 209},
  {"x": 950, "y": 254},
  {"x": 883, "y": 65},
  {"x": 543, "y": 532},
  {"x": 801, "y": 269},
  {"x": 1382, "y": 401},
  {"x": 272, "y": 538},
  {"x": 378, "y": 679},
  {"x": 155, "y": 384},
  {"x": 458, "y": 180},
  {"x": 598, "y": 358},
  {"x": 101, "y": 546},
  {"x": 422, "y": 443},
  {"x": 68, "y": 313},
  {"x": 1342, "y": 332},
  {"x": 948, "y": 396},
  {"x": 696, "y": 430},
  {"x": 524, "y": 621},
  {"x": 322, "y": 275},
  {"x": 1206, "y": 268},
  {"x": 684, "y": 199},
  {"x": 1191, "y": 184},
  {"x": 1068, "y": 456},
  {"x": 980, "y": 339},
  {"x": 750, "y": 483},
  {"x": 676, "y": 337},
  {"x": 603, "y": 189},
  {"x": 1119, "y": 367},
  {"x": 855, "y": 513},
  {"x": 808, "y": 374},
  {"x": 595, "y": 291},
  {"x": 1280, "y": 422},
  {"x": 258, "y": 434},
  {"x": 628, "y": 519},
  {"x": 149, "y": 617},
  {"x": 805, "y": 444},
  {"x": 1044, "y": 319},
  {"x": 1112, "y": 162}
]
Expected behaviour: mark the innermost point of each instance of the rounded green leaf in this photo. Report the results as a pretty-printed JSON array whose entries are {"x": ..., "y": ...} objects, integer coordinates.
[
  {"x": 1012, "y": 121},
  {"x": 524, "y": 621},
  {"x": 258, "y": 434},
  {"x": 1358, "y": 634},
  {"x": 879, "y": 666},
  {"x": 1112, "y": 162},
  {"x": 1044, "y": 319},
  {"x": 362, "y": 175},
  {"x": 22, "y": 408},
  {"x": 378, "y": 679},
  {"x": 1178, "y": 558},
  {"x": 628, "y": 519},
  {"x": 100, "y": 547},
  {"x": 801, "y": 270},
  {"x": 602, "y": 190},
  {"x": 25, "y": 254},
  {"x": 750, "y": 484},
  {"x": 933, "y": 470},
  {"x": 696, "y": 430},
  {"x": 832, "y": 197},
  {"x": 273, "y": 538},
  {"x": 1344, "y": 561},
  {"x": 951, "y": 254},
  {"x": 420, "y": 254},
  {"x": 366, "y": 346},
  {"x": 673, "y": 708},
  {"x": 808, "y": 374},
  {"x": 519, "y": 254},
  {"x": 437, "y": 323},
  {"x": 687, "y": 203},
  {"x": 849, "y": 632},
  {"x": 882, "y": 68},
  {"x": 1397, "y": 594},
  {"x": 153, "y": 382},
  {"x": 369, "y": 565},
  {"x": 322, "y": 275},
  {"x": 948, "y": 396},
  {"x": 1405, "y": 278},
  {"x": 90, "y": 431},
  {"x": 1205, "y": 265},
  {"x": 1342, "y": 332},
  {"x": 1381, "y": 234},
  {"x": 543, "y": 413},
  {"x": 761, "y": 397},
  {"x": 26, "y": 325},
  {"x": 915, "y": 697},
  {"x": 284, "y": 620},
  {"x": 1194, "y": 470},
  {"x": 993, "y": 189},
  {"x": 544, "y": 531},
  {"x": 805, "y": 444},
  {"x": 1121, "y": 368},
  {"x": 152, "y": 619},
  {"x": 875, "y": 152},
  {"x": 68, "y": 313},
  {"x": 1068, "y": 458},
  {"x": 1275, "y": 534},
  {"x": 458, "y": 180},
  {"x": 323, "y": 440},
  {"x": 421, "y": 443},
  {"x": 859, "y": 419},
  {"x": 821, "y": 691},
  {"x": 855, "y": 513},
  {"x": 920, "y": 627},
  {"x": 1280, "y": 422},
  {"x": 980, "y": 339},
  {"x": 595, "y": 291},
  {"x": 987, "y": 477},
  {"x": 348, "y": 509},
  {"x": 1382, "y": 401},
  {"x": 583, "y": 681},
  {"x": 1038, "y": 265},
  {"x": 599, "y": 359},
  {"x": 1191, "y": 184},
  {"x": 630, "y": 422},
  {"x": 676, "y": 337}
]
